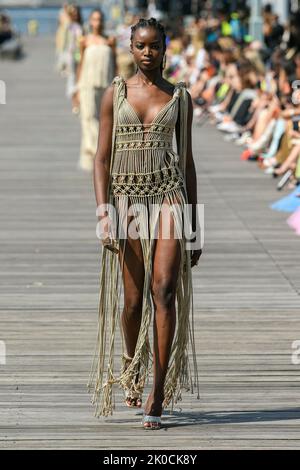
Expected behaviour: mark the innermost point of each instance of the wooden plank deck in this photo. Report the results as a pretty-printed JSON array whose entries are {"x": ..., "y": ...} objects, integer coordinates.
[{"x": 246, "y": 290}]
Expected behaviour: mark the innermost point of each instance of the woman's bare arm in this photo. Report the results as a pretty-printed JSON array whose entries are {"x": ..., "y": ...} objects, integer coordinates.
[
  {"x": 82, "y": 46},
  {"x": 226, "y": 101},
  {"x": 104, "y": 147},
  {"x": 112, "y": 42}
]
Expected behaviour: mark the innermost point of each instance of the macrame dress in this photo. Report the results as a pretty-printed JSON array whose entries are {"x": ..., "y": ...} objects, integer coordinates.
[{"x": 144, "y": 172}]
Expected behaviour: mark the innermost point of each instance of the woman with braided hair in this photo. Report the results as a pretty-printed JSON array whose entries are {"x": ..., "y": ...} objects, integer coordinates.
[{"x": 141, "y": 187}]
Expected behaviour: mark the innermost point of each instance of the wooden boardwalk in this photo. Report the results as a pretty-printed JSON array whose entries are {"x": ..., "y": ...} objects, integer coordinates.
[{"x": 246, "y": 290}]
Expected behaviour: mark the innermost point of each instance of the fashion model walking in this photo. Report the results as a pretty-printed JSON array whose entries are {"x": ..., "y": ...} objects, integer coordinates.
[
  {"x": 95, "y": 73},
  {"x": 61, "y": 37},
  {"x": 140, "y": 179},
  {"x": 74, "y": 35}
]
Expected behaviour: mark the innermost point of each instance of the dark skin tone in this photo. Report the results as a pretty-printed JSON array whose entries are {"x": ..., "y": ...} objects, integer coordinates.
[{"x": 147, "y": 44}]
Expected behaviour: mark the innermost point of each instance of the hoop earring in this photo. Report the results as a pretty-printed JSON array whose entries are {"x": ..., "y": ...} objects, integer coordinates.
[{"x": 163, "y": 63}]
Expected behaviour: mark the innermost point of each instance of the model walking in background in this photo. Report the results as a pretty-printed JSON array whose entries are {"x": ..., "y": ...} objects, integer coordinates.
[
  {"x": 95, "y": 72},
  {"x": 61, "y": 39},
  {"x": 74, "y": 36}
]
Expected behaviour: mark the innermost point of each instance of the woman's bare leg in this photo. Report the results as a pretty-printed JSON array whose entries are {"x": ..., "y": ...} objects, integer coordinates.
[
  {"x": 166, "y": 263},
  {"x": 133, "y": 279},
  {"x": 290, "y": 162},
  {"x": 261, "y": 124}
]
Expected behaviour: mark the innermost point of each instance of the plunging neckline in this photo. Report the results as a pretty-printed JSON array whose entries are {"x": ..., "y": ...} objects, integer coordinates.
[{"x": 155, "y": 117}]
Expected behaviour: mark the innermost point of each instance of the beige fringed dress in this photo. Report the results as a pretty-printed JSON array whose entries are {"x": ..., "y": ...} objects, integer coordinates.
[{"x": 144, "y": 171}]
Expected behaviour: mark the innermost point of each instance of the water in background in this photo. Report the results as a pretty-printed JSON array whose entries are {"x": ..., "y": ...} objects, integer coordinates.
[{"x": 46, "y": 17}]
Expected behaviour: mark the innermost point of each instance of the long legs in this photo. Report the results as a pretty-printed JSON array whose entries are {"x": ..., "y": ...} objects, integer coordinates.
[
  {"x": 166, "y": 264},
  {"x": 133, "y": 279}
]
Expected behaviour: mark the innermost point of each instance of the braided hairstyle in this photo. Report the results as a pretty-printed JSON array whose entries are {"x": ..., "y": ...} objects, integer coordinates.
[{"x": 151, "y": 23}]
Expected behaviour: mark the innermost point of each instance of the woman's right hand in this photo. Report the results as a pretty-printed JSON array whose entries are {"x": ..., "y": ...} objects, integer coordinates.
[
  {"x": 76, "y": 98},
  {"x": 109, "y": 243},
  {"x": 106, "y": 234}
]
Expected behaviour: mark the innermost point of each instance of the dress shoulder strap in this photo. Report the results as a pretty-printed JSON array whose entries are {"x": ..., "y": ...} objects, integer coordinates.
[
  {"x": 180, "y": 85},
  {"x": 119, "y": 84},
  {"x": 117, "y": 79},
  {"x": 183, "y": 113}
]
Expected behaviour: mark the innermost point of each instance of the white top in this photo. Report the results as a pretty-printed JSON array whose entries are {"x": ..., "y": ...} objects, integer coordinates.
[{"x": 97, "y": 66}]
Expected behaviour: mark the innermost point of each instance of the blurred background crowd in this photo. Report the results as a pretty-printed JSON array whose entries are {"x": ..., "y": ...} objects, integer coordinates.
[
  {"x": 10, "y": 44},
  {"x": 240, "y": 60}
]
